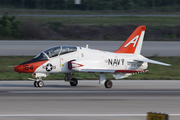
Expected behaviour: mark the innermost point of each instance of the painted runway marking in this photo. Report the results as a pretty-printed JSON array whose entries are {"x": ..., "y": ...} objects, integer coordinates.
[
  {"x": 79, "y": 115},
  {"x": 72, "y": 115},
  {"x": 37, "y": 92}
]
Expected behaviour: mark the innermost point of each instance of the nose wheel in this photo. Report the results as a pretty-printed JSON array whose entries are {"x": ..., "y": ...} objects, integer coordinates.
[{"x": 38, "y": 83}]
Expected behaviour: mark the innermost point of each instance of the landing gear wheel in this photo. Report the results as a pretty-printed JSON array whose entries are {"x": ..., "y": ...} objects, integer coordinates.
[
  {"x": 40, "y": 84},
  {"x": 73, "y": 82},
  {"x": 108, "y": 84},
  {"x": 35, "y": 83}
]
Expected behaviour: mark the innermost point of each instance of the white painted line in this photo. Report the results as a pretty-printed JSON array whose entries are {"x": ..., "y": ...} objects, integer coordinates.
[
  {"x": 79, "y": 115},
  {"x": 72, "y": 115},
  {"x": 112, "y": 91}
]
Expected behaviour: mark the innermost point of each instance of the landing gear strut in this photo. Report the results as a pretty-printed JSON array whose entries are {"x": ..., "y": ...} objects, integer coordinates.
[{"x": 38, "y": 83}]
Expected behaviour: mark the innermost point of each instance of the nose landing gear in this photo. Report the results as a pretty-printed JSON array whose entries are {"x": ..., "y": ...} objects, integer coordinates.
[{"x": 38, "y": 83}]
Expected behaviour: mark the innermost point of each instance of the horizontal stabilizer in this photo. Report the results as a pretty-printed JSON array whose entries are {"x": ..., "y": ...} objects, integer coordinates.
[{"x": 153, "y": 61}]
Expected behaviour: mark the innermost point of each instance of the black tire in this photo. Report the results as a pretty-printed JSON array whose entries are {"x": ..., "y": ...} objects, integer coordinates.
[
  {"x": 73, "y": 82},
  {"x": 40, "y": 84},
  {"x": 35, "y": 84},
  {"x": 108, "y": 84}
]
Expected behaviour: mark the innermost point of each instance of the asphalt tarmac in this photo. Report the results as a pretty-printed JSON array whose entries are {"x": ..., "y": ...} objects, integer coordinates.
[
  {"x": 57, "y": 100},
  {"x": 32, "y": 48}
]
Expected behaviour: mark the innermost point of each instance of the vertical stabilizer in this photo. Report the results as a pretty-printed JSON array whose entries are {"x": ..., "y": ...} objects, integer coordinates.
[{"x": 133, "y": 44}]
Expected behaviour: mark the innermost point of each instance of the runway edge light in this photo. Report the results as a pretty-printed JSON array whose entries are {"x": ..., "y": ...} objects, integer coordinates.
[{"x": 157, "y": 116}]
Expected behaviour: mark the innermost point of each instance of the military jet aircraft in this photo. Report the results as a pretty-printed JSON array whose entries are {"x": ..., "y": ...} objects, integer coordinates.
[{"x": 122, "y": 63}]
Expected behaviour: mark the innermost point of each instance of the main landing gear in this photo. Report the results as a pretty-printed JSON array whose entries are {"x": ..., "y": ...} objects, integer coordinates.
[
  {"x": 38, "y": 83},
  {"x": 72, "y": 81},
  {"x": 107, "y": 83}
]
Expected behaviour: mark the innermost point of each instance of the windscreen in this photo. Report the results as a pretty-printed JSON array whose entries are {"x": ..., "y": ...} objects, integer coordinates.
[
  {"x": 40, "y": 57},
  {"x": 52, "y": 52},
  {"x": 55, "y": 51}
]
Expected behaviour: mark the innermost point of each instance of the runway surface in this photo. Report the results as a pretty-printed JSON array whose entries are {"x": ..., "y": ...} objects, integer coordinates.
[
  {"x": 57, "y": 100},
  {"x": 149, "y": 48}
]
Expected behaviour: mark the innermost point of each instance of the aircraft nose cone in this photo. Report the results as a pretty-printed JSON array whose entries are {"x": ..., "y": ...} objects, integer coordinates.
[
  {"x": 24, "y": 68},
  {"x": 28, "y": 67},
  {"x": 18, "y": 68}
]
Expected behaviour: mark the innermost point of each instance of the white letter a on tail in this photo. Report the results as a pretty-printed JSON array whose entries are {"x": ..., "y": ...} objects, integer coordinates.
[{"x": 133, "y": 41}]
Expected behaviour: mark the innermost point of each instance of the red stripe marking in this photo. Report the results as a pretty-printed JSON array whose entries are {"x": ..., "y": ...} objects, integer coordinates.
[{"x": 129, "y": 71}]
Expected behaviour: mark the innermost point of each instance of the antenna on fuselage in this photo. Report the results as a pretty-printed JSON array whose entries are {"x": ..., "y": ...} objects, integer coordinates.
[{"x": 86, "y": 45}]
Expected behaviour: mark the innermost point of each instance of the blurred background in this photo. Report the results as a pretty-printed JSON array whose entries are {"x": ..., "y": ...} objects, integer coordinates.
[
  {"x": 88, "y": 19},
  {"x": 119, "y": 6}
]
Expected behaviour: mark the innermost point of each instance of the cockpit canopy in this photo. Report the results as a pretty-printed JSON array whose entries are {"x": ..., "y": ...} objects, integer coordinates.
[{"x": 55, "y": 51}]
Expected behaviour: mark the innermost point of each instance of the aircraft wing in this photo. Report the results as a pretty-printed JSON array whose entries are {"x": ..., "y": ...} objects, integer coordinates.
[{"x": 153, "y": 61}]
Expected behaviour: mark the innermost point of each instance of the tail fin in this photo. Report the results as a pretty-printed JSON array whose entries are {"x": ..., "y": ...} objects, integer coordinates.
[{"x": 133, "y": 44}]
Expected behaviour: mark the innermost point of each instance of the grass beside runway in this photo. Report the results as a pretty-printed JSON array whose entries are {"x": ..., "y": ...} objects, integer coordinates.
[{"x": 156, "y": 72}]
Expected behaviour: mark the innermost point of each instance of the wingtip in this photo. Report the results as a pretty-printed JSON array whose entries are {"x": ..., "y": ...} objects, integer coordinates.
[{"x": 168, "y": 65}]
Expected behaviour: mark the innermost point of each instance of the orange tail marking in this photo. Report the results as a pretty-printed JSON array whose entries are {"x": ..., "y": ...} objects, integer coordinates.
[{"x": 129, "y": 46}]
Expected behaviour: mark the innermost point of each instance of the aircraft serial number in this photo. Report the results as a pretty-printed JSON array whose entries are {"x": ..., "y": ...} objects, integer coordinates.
[{"x": 27, "y": 67}]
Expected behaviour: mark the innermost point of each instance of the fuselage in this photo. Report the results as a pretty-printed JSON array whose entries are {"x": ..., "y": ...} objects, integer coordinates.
[
  {"x": 122, "y": 63},
  {"x": 69, "y": 59}
]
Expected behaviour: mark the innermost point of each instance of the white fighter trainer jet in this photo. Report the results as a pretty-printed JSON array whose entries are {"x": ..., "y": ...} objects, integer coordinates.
[{"x": 122, "y": 63}]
